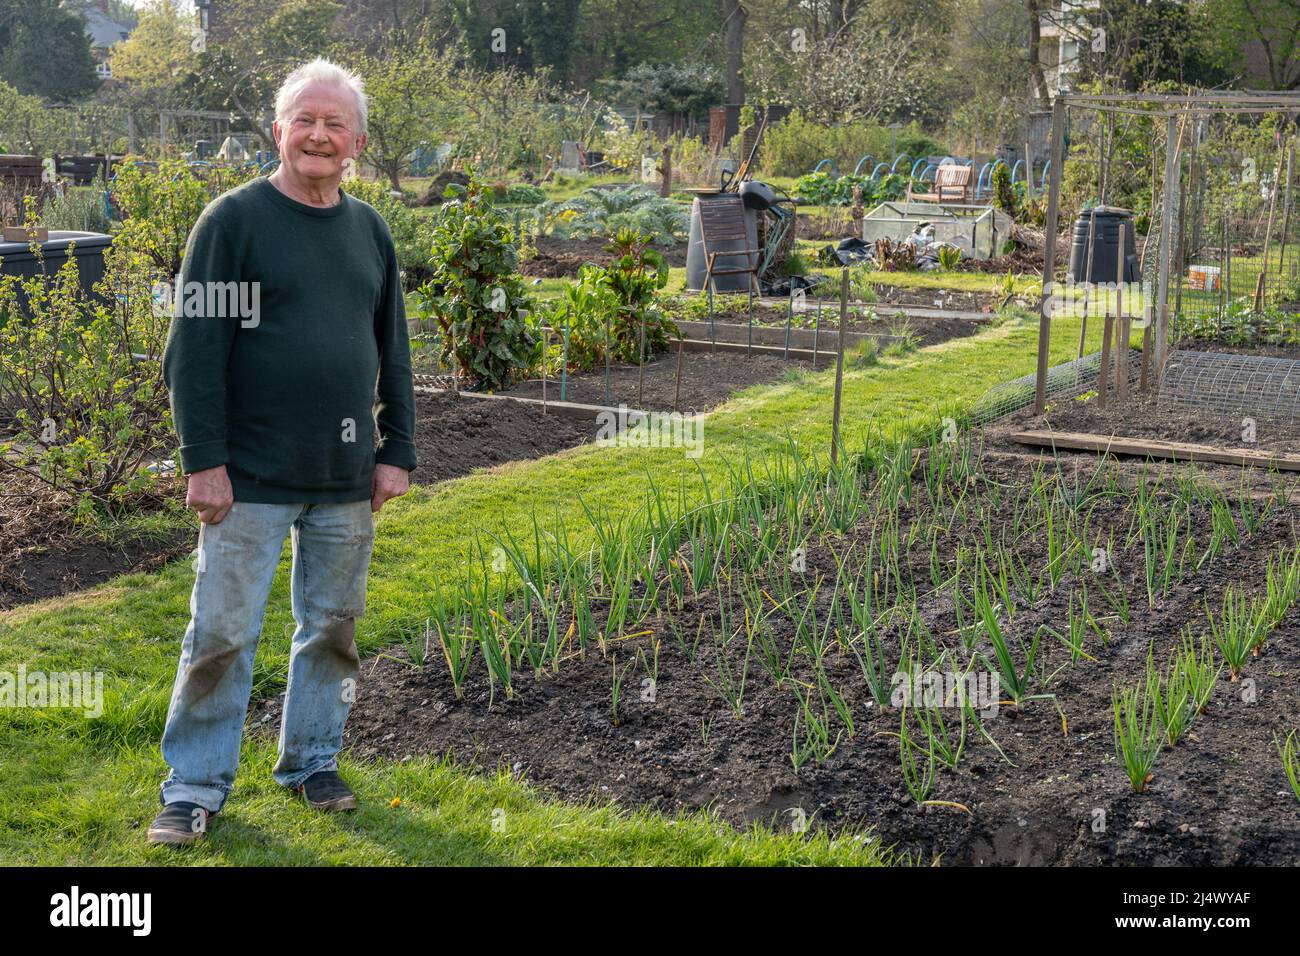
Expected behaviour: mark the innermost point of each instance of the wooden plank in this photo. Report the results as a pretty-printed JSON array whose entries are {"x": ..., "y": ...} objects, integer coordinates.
[{"x": 1153, "y": 448}]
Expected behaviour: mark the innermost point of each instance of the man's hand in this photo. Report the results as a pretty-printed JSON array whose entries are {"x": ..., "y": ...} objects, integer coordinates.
[
  {"x": 389, "y": 481},
  {"x": 209, "y": 493}
]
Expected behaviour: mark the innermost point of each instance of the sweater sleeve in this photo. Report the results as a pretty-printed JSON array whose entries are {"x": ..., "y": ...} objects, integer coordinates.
[
  {"x": 198, "y": 348},
  {"x": 396, "y": 416}
]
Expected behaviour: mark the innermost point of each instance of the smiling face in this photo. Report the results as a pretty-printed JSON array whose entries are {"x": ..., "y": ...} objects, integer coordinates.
[{"x": 318, "y": 133}]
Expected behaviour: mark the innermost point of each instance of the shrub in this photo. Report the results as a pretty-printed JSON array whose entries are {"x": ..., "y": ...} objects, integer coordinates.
[
  {"x": 79, "y": 210},
  {"x": 608, "y": 305},
  {"x": 1004, "y": 196},
  {"x": 81, "y": 374},
  {"x": 795, "y": 145},
  {"x": 586, "y": 306},
  {"x": 159, "y": 204},
  {"x": 820, "y": 189},
  {"x": 522, "y": 194},
  {"x": 473, "y": 292},
  {"x": 635, "y": 279}
]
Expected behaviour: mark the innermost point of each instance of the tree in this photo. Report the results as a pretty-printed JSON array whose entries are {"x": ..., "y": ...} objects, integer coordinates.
[
  {"x": 688, "y": 89},
  {"x": 259, "y": 43},
  {"x": 1273, "y": 27},
  {"x": 732, "y": 15},
  {"x": 409, "y": 91},
  {"x": 45, "y": 51},
  {"x": 155, "y": 60}
]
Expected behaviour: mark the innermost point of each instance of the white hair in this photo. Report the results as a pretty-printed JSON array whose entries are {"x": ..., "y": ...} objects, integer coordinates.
[{"x": 321, "y": 70}]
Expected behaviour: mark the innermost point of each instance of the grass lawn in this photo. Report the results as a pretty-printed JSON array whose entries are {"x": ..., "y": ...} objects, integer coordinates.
[{"x": 82, "y": 791}]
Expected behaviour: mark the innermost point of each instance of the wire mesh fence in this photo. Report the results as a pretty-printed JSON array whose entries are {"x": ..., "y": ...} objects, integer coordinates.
[
  {"x": 1063, "y": 381},
  {"x": 1223, "y": 383}
]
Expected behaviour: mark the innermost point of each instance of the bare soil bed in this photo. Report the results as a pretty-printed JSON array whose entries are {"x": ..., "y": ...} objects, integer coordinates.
[
  {"x": 45, "y": 554},
  {"x": 1037, "y": 783},
  {"x": 1141, "y": 417},
  {"x": 455, "y": 436},
  {"x": 563, "y": 258},
  {"x": 875, "y": 319},
  {"x": 708, "y": 380}
]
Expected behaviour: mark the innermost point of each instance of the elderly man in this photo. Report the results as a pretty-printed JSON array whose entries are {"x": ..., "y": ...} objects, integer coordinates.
[{"x": 276, "y": 411}]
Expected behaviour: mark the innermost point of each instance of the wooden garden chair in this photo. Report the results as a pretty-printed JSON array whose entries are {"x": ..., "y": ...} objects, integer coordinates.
[{"x": 951, "y": 184}]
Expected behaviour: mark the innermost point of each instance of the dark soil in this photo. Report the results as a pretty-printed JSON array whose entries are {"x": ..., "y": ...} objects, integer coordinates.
[
  {"x": 877, "y": 319},
  {"x": 46, "y": 555},
  {"x": 1140, "y": 417},
  {"x": 455, "y": 436},
  {"x": 708, "y": 380},
  {"x": 1271, "y": 351},
  {"x": 562, "y": 258},
  {"x": 1059, "y": 797}
]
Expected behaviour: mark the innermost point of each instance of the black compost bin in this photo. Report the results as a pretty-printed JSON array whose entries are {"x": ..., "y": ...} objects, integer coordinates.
[
  {"x": 17, "y": 258},
  {"x": 1106, "y": 245}
]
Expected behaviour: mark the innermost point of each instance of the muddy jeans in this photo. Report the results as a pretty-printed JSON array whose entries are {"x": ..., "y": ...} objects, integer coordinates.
[{"x": 235, "y": 566}]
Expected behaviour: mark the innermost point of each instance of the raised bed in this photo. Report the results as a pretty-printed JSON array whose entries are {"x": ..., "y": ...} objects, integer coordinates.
[{"x": 1037, "y": 782}]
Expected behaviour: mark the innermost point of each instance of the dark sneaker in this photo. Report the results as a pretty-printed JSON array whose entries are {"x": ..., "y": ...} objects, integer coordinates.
[
  {"x": 325, "y": 790},
  {"x": 179, "y": 823}
]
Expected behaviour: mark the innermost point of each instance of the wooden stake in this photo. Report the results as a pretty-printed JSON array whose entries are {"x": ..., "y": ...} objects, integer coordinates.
[
  {"x": 1268, "y": 233},
  {"x": 839, "y": 366},
  {"x": 1286, "y": 206},
  {"x": 677, "y": 394},
  {"x": 1121, "y": 364},
  {"x": 1087, "y": 280},
  {"x": 546, "y": 347},
  {"x": 1103, "y": 380},
  {"x": 1049, "y": 255},
  {"x": 1172, "y": 147},
  {"x": 640, "y": 380}
]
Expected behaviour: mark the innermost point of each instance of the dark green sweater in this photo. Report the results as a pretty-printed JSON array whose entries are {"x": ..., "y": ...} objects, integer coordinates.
[{"x": 284, "y": 395}]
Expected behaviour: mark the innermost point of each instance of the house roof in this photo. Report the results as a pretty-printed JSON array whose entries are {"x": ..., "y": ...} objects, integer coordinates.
[{"x": 103, "y": 31}]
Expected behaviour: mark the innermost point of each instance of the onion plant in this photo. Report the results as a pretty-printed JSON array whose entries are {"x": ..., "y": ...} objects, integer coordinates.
[
  {"x": 1237, "y": 629},
  {"x": 1172, "y": 698},
  {"x": 812, "y": 731},
  {"x": 917, "y": 764},
  {"x": 1195, "y": 667},
  {"x": 1289, "y": 751},
  {"x": 1139, "y": 735},
  {"x": 1014, "y": 679}
]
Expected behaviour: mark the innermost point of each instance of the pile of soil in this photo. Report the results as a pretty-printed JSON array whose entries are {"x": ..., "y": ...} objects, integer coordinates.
[
  {"x": 455, "y": 436},
  {"x": 433, "y": 195}
]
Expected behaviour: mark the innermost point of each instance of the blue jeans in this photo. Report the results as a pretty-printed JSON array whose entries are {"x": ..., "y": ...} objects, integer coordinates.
[{"x": 235, "y": 567}]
